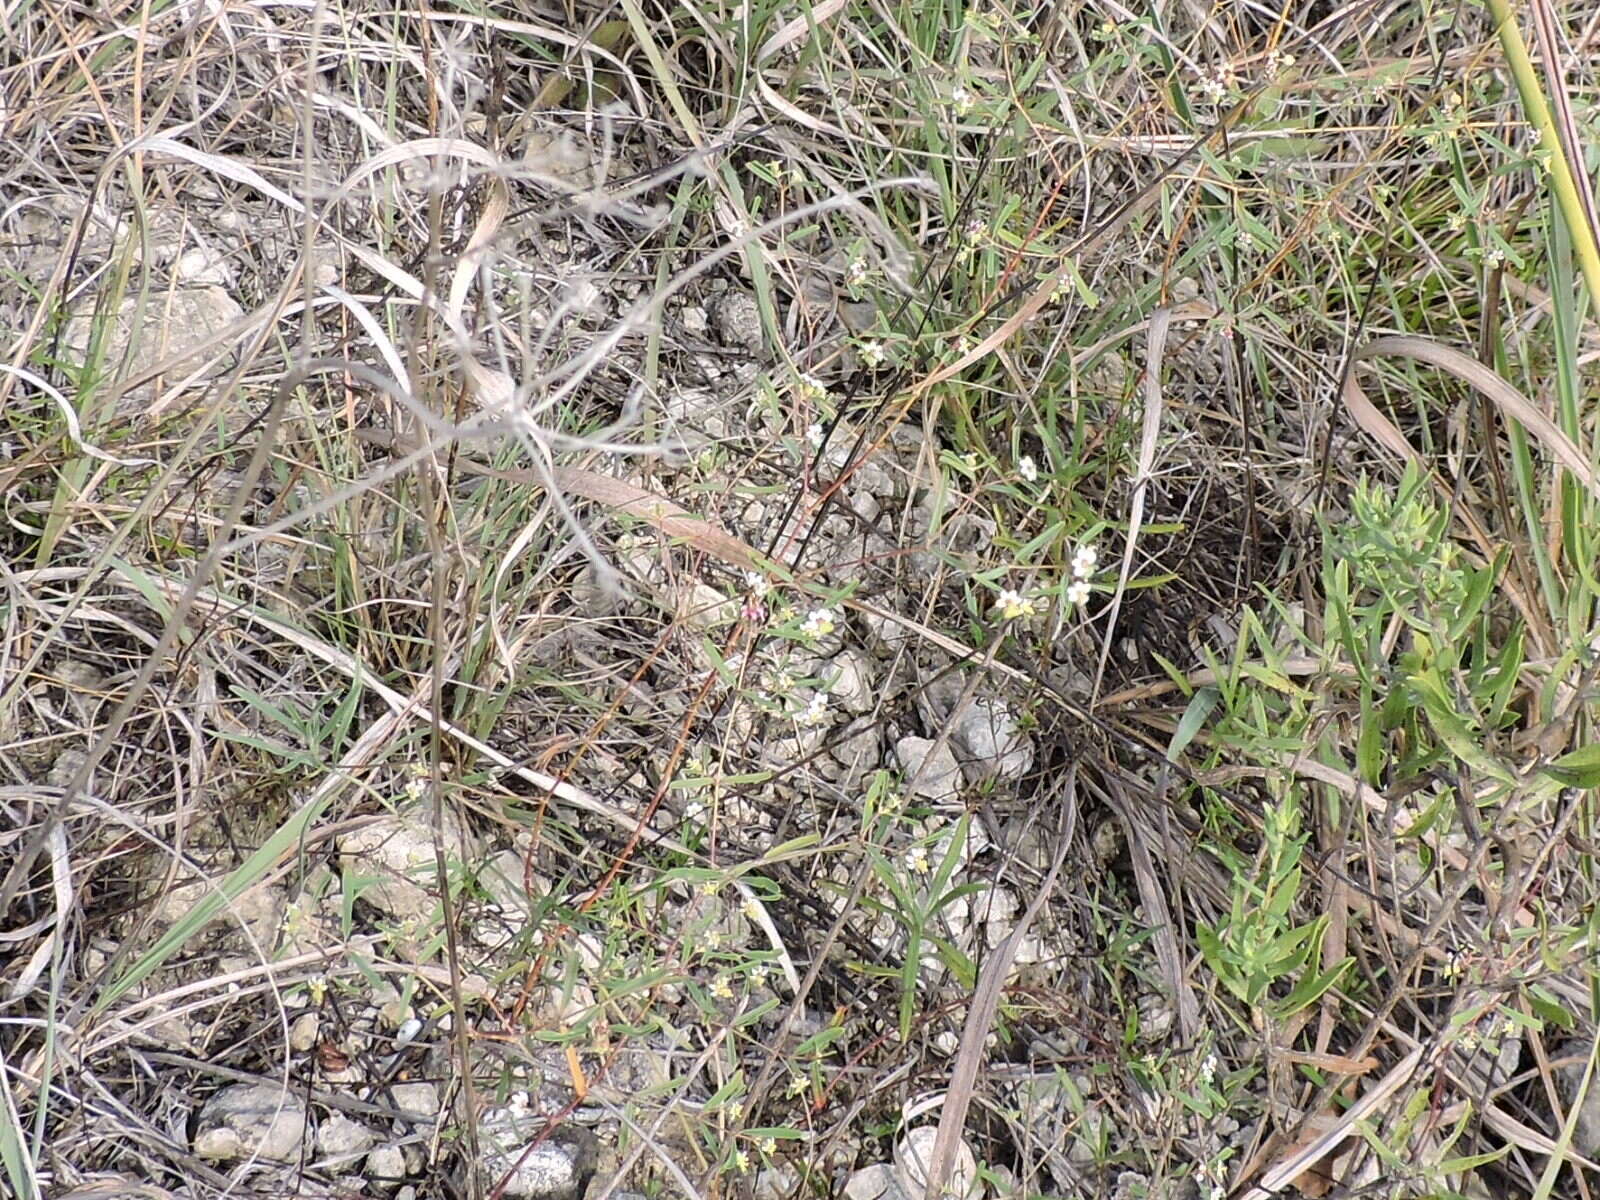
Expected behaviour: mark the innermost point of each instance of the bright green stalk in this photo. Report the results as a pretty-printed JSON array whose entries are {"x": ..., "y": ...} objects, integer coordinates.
[{"x": 1561, "y": 178}]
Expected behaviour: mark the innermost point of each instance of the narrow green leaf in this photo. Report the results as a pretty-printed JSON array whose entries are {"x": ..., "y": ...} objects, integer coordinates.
[
  {"x": 1192, "y": 721},
  {"x": 1453, "y": 730},
  {"x": 255, "y": 868},
  {"x": 818, "y": 1042},
  {"x": 13, "y": 1143},
  {"x": 1309, "y": 990},
  {"x": 1580, "y": 768},
  {"x": 1469, "y": 1162}
]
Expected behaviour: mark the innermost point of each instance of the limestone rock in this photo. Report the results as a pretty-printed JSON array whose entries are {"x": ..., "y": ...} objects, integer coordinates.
[{"x": 248, "y": 1119}]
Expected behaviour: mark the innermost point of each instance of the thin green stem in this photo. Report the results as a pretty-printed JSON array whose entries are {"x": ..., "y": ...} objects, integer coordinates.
[{"x": 1538, "y": 112}]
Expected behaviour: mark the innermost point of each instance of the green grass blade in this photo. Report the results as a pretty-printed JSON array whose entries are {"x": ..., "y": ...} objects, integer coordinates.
[{"x": 249, "y": 873}]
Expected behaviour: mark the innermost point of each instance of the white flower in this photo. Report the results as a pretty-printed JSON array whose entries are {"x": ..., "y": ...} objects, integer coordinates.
[
  {"x": 856, "y": 271},
  {"x": 758, "y": 584},
  {"x": 810, "y": 387},
  {"x": 1216, "y": 83},
  {"x": 819, "y": 622},
  {"x": 1027, "y": 468},
  {"x": 1078, "y": 591},
  {"x": 872, "y": 353},
  {"x": 961, "y": 99},
  {"x": 814, "y": 434},
  {"x": 1013, "y": 604},
  {"x": 1083, "y": 561},
  {"x": 917, "y": 860},
  {"x": 816, "y": 710}
]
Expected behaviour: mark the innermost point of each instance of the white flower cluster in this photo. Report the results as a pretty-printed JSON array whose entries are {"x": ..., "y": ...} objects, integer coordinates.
[
  {"x": 1217, "y": 84},
  {"x": 1083, "y": 564},
  {"x": 819, "y": 622},
  {"x": 1013, "y": 604},
  {"x": 810, "y": 389},
  {"x": 816, "y": 710}
]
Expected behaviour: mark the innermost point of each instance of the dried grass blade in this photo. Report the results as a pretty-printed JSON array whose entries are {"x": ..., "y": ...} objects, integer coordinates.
[
  {"x": 621, "y": 496},
  {"x": 1374, "y": 424},
  {"x": 1160, "y": 323},
  {"x": 1513, "y": 405},
  {"x": 1307, "y": 1156},
  {"x": 1544, "y": 28},
  {"x": 1527, "y": 1138},
  {"x": 980, "y": 1016},
  {"x": 610, "y": 492},
  {"x": 794, "y": 30},
  {"x": 1169, "y": 956}
]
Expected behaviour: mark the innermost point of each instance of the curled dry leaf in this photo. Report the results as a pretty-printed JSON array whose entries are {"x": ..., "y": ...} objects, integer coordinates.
[
  {"x": 608, "y": 491},
  {"x": 1513, "y": 405}
]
